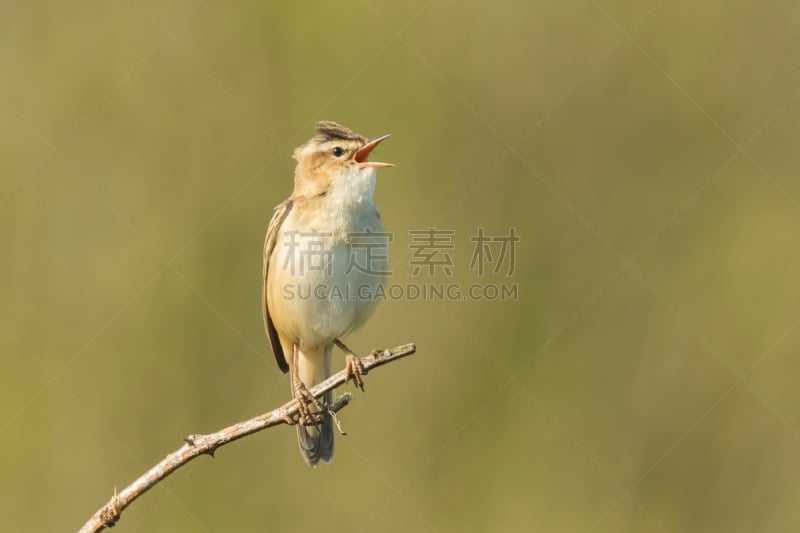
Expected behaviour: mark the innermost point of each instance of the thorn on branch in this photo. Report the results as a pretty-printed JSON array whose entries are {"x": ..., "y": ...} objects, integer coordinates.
[
  {"x": 191, "y": 440},
  {"x": 111, "y": 511},
  {"x": 341, "y": 401}
]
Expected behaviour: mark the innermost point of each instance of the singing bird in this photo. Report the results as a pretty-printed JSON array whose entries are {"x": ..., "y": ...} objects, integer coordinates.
[{"x": 325, "y": 256}]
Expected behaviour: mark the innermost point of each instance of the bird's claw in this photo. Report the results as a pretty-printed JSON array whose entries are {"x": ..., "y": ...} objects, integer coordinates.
[
  {"x": 305, "y": 402},
  {"x": 354, "y": 370}
]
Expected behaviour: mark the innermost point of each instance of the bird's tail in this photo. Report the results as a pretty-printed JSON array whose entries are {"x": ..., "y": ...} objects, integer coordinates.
[{"x": 316, "y": 442}]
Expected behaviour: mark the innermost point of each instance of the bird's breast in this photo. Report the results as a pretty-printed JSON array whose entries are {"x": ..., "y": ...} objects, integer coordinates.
[{"x": 326, "y": 271}]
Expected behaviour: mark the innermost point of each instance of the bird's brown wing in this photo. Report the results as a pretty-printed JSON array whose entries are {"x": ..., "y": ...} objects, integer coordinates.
[{"x": 281, "y": 212}]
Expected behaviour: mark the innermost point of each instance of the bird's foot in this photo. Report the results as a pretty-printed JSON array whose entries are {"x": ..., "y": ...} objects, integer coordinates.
[
  {"x": 354, "y": 370},
  {"x": 309, "y": 408}
]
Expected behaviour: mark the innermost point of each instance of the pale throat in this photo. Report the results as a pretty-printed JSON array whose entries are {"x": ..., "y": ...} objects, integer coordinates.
[
  {"x": 352, "y": 189},
  {"x": 349, "y": 203}
]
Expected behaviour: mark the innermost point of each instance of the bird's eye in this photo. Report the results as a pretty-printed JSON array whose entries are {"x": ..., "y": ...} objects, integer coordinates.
[{"x": 338, "y": 151}]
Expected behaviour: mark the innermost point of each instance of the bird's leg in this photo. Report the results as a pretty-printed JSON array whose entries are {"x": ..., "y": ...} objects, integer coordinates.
[
  {"x": 305, "y": 399},
  {"x": 354, "y": 369}
]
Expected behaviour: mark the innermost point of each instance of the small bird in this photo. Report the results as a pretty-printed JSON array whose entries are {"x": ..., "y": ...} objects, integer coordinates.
[{"x": 325, "y": 256}]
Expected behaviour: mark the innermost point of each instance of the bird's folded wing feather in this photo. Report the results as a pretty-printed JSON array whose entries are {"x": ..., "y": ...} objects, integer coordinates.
[{"x": 281, "y": 212}]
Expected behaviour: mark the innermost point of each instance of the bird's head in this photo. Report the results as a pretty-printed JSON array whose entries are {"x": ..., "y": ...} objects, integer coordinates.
[{"x": 335, "y": 158}]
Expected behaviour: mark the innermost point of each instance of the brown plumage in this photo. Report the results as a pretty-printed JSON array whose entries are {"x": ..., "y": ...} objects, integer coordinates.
[{"x": 332, "y": 199}]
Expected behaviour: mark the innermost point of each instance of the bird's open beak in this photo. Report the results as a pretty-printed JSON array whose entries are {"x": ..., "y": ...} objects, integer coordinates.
[{"x": 362, "y": 154}]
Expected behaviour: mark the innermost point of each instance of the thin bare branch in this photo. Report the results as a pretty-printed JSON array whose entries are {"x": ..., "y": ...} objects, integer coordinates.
[{"x": 196, "y": 445}]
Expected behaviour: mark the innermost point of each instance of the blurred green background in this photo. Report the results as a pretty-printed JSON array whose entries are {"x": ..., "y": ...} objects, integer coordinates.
[{"x": 645, "y": 152}]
